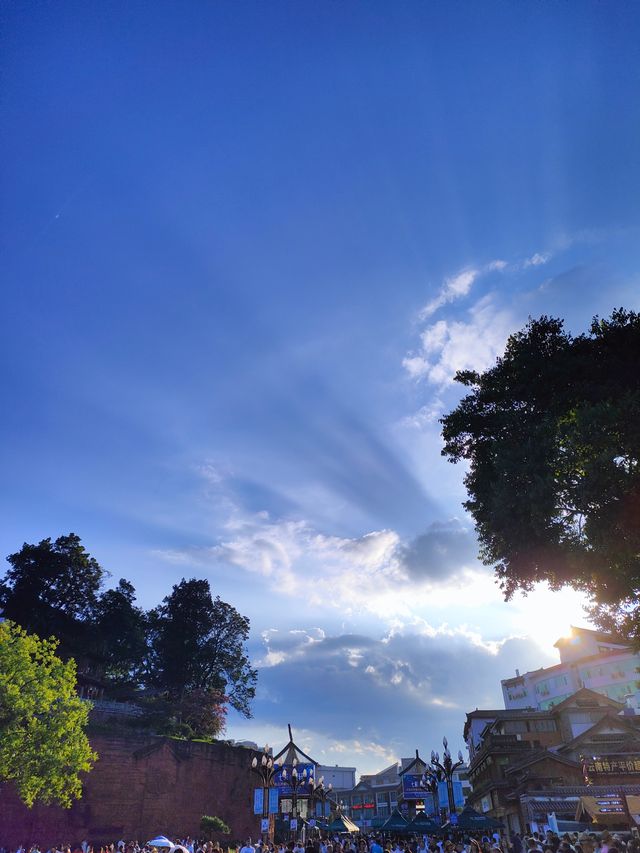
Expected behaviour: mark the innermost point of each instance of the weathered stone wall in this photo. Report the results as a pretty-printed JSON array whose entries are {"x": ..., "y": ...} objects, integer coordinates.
[{"x": 141, "y": 786}]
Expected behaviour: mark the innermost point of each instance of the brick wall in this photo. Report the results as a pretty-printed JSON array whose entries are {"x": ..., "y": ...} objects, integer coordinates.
[{"x": 142, "y": 786}]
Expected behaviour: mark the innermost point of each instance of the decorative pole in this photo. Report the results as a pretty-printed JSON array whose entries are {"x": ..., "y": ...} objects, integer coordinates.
[
  {"x": 266, "y": 769},
  {"x": 319, "y": 792},
  {"x": 428, "y": 782},
  {"x": 296, "y": 783},
  {"x": 445, "y": 769}
]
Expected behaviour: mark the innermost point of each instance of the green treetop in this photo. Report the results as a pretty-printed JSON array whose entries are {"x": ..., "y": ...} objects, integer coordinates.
[
  {"x": 551, "y": 436},
  {"x": 43, "y": 745}
]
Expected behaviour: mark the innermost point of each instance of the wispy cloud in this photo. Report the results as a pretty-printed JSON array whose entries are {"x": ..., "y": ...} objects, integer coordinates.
[
  {"x": 537, "y": 259},
  {"x": 377, "y": 572},
  {"x": 473, "y": 342},
  {"x": 452, "y": 288},
  {"x": 498, "y": 265},
  {"x": 448, "y": 346},
  {"x": 459, "y": 285},
  {"x": 291, "y": 555},
  {"x": 425, "y": 416}
]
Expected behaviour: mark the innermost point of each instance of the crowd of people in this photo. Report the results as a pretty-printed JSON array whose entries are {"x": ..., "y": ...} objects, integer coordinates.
[{"x": 537, "y": 842}]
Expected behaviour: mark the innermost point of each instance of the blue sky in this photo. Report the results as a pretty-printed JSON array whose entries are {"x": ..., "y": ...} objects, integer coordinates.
[{"x": 244, "y": 248}]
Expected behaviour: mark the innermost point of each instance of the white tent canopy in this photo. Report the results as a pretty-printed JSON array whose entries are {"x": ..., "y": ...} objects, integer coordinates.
[{"x": 160, "y": 841}]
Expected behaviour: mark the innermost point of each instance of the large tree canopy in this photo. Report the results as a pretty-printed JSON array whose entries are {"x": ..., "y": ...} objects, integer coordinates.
[
  {"x": 551, "y": 435},
  {"x": 55, "y": 589},
  {"x": 119, "y": 639},
  {"x": 52, "y": 588},
  {"x": 192, "y": 646},
  {"x": 198, "y": 643},
  {"x": 43, "y": 746}
]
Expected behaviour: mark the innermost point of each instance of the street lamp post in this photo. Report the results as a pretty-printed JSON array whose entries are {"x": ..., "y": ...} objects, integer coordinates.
[
  {"x": 296, "y": 783},
  {"x": 445, "y": 769},
  {"x": 319, "y": 792},
  {"x": 265, "y": 769},
  {"x": 429, "y": 782}
]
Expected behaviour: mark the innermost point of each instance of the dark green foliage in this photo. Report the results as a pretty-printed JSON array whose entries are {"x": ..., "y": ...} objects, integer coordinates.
[
  {"x": 197, "y": 643},
  {"x": 552, "y": 437},
  {"x": 210, "y": 825},
  {"x": 190, "y": 650},
  {"x": 119, "y": 635},
  {"x": 52, "y": 589}
]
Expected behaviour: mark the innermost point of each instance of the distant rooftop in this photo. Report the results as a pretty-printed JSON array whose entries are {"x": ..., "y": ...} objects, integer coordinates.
[{"x": 600, "y": 636}]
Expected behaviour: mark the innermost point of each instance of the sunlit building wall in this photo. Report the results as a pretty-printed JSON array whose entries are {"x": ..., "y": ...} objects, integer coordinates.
[{"x": 590, "y": 659}]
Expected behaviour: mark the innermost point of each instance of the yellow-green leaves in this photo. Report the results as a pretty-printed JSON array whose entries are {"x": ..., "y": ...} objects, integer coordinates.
[{"x": 43, "y": 745}]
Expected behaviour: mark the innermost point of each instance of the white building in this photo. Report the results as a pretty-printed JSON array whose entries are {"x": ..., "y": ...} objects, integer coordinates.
[
  {"x": 342, "y": 778},
  {"x": 591, "y": 659}
]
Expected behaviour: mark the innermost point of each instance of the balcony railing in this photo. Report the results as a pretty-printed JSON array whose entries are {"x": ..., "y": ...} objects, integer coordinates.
[{"x": 119, "y": 709}]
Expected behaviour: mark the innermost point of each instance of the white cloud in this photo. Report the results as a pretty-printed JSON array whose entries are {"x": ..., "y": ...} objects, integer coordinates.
[
  {"x": 452, "y": 345},
  {"x": 435, "y": 336},
  {"x": 459, "y": 285},
  {"x": 416, "y": 366},
  {"x": 210, "y": 473},
  {"x": 498, "y": 265},
  {"x": 291, "y": 556},
  {"x": 427, "y": 414},
  {"x": 452, "y": 288},
  {"x": 537, "y": 259},
  {"x": 429, "y": 672},
  {"x": 377, "y": 573}
]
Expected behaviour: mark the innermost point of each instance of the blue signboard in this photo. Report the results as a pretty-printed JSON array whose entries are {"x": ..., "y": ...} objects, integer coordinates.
[
  {"x": 443, "y": 795},
  {"x": 274, "y": 805},
  {"x": 412, "y": 786},
  {"x": 258, "y": 800},
  {"x": 283, "y": 785}
]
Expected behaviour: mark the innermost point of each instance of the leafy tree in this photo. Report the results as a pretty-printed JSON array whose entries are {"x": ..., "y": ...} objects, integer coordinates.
[
  {"x": 52, "y": 588},
  {"x": 204, "y": 711},
  {"x": 43, "y": 746},
  {"x": 210, "y": 825},
  {"x": 119, "y": 635},
  {"x": 198, "y": 714},
  {"x": 198, "y": 643},
  {"x": 551, "y": 435}
]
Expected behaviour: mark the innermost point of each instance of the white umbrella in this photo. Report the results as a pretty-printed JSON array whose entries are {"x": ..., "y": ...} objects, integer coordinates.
[
  {"x": 160, "y": 841},
  {"x": 178, "y": 848}
]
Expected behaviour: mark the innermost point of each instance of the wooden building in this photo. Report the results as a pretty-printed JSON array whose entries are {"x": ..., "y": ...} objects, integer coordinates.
[{"x": 527, "y": 765}]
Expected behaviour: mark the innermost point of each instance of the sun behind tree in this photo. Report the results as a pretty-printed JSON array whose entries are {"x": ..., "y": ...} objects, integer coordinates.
[{"x": 551, "y": 434}]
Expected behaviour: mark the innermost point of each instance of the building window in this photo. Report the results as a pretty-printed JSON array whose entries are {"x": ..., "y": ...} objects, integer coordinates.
[{"x": 545, "y": 726}]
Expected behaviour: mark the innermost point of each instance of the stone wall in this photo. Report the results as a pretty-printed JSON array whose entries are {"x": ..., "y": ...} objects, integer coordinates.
[{"x": 142, "y": 786}]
